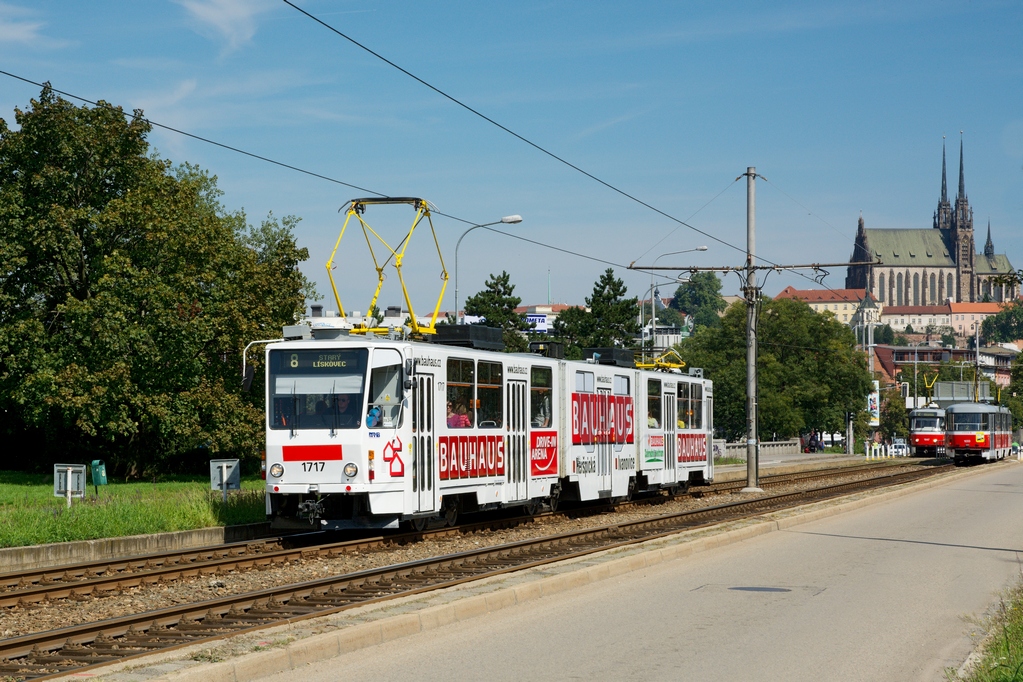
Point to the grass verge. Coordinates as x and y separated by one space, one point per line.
31 515
1001 657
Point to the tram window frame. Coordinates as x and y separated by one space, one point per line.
541 396
461 390
489 394
385 389
695 405
621 385
653 403
584 382
682 407
316 385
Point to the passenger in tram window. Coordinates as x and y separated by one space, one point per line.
457 417
347 417
322 417
652 422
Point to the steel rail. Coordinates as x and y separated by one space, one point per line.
84 647
96 578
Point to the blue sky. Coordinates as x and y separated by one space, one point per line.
840 105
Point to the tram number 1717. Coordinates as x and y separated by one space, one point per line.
312 466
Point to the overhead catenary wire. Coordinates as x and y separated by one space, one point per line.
281 164
511 132
237 150
535 145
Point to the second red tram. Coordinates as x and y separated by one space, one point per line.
977 431
927 432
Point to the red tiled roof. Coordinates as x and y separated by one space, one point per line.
823 295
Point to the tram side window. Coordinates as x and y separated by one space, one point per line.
584 382
695 420
653 403
385 390
540 396
682 406
461 407
490 394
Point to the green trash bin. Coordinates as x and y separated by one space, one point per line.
98 469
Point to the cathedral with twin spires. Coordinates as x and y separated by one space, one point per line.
918 267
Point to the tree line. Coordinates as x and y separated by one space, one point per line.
811 376
127 292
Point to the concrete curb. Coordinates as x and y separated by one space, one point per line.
321 639
60 553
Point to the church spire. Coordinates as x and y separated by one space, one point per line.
962 181
944 185
989 246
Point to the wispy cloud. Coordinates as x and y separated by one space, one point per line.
20 26
603 125
234 21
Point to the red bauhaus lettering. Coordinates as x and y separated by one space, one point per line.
469 456
602 418
692 447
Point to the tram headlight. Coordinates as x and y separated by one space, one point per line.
276 470
351 469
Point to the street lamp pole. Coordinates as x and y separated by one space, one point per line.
653 309
507 220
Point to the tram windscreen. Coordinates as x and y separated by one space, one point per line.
922 423
317 389
969 421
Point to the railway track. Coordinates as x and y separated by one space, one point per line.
97 578
81 581
88 646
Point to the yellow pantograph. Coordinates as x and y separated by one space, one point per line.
669 359
394 256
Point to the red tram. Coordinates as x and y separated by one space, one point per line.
927 432
977 431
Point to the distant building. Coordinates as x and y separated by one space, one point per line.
919 317
967 317
919 267
843 303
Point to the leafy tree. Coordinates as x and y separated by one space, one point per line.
610 320
810 373
885 335
572 327
1007 325
496 304
900 340
613 317
894 417
909 329
701 298
126 295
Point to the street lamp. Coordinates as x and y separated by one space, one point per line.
653 309
507 220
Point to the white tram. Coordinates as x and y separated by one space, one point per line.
365 432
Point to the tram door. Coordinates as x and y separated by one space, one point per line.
517 446
670 438
605 440
423 489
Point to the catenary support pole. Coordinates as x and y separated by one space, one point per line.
752 293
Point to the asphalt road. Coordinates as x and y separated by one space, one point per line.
882 593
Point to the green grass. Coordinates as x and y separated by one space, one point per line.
1002 654
721 461
31 515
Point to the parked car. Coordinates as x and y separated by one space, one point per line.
898 450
